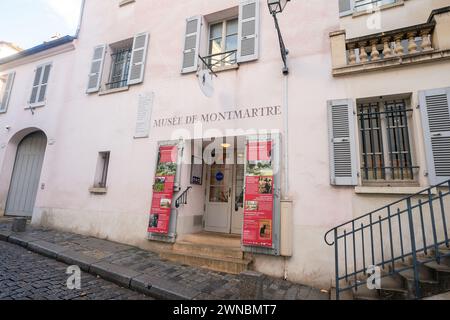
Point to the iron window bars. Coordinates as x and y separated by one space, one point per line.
389 122
120 68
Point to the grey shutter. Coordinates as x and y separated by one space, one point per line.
95 74
191 44
36 85
248 34
343 162
6 94
138 59
345 7
435 109
44 83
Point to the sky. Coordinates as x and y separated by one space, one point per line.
28 23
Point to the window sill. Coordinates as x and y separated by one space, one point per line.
390 190
35 105
100 191
394 62
357 14
111 91
226 68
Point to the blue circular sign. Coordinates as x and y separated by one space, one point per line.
219 176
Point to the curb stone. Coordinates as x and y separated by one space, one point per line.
45 248
21 240
114 273
72 257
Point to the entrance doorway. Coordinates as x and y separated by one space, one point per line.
26 175
224 208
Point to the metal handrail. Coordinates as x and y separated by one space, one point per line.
182 199
208 60
382 252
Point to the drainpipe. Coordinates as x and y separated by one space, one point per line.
83 3
286 135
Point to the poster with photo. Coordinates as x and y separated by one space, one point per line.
163 190
259 195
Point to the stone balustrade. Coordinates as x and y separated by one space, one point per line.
397 43
421 43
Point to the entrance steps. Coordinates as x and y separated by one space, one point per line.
211 251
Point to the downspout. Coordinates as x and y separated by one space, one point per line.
286 135
77 33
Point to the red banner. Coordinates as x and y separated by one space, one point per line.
163 190
259 195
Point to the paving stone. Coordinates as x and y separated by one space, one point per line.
4 235
33 269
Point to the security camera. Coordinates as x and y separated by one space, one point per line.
8 128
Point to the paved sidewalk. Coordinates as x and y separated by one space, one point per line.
145 272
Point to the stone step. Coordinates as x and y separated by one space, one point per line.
227 265
214 251
225 240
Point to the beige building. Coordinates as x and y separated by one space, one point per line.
361 120
8 49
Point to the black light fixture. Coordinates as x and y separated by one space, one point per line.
275 7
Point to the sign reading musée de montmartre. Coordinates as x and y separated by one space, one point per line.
243 114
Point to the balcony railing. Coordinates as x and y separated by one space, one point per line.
391 44
218 60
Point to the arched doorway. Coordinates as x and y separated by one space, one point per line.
26 175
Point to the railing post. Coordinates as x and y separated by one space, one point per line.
413 248
336 262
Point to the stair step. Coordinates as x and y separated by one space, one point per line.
225 240
215 251
438 267
227 265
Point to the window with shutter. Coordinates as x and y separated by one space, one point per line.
191 44
346 7
248 34
435 108
95 74
40 84
6 83
343 163
138 59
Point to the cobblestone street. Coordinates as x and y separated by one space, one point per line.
28 276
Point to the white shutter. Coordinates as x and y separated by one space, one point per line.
6 92
95 74
343 162
435 109
40 83
346 7
138 59
191 44
248 36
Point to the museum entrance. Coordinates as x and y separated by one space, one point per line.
224 196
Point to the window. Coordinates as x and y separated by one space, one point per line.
40 84
6 82
386 153
127 62
120 66
101 174
347 7
223 43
